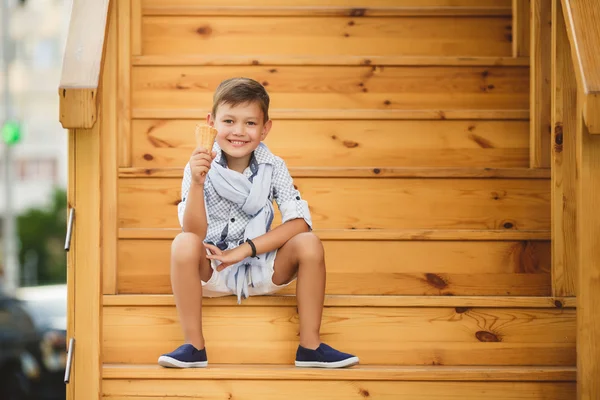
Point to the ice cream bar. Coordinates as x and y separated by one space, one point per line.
205 136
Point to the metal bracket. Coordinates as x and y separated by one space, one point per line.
69 360
69 229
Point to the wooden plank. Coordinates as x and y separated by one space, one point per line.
382 267
82 64
588 231
71 207
564 176
108 146
371 234
338 87
136 27
275 60
357 301
159 144
145 389
541 31
162 6
124 83
312 8
384 336
521 29
84 100
495 204
194 113
325 35
581 18
366 372
364 172
87 297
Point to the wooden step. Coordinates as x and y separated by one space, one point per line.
358 372
257 382
380 263
137 330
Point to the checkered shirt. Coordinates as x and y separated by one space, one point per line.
226 220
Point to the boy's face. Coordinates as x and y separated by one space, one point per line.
241 128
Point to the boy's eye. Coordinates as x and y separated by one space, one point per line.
228 121
251 123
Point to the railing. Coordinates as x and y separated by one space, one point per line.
576 171
582 18
82 64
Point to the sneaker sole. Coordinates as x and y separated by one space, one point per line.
169 362
318 364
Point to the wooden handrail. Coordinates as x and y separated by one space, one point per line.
582 18
82 63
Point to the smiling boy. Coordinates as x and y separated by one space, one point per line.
227 246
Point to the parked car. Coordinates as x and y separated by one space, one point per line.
47 305
18 367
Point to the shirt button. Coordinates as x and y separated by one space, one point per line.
232 219
297 197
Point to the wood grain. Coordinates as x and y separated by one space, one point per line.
147 389
274 60
390 336
360 372
338 114
373 234
564 174
325 35
366 143
339 7
541 32
108 146
124 83
521 10
588 231
519 204
278 300
382 267
337 87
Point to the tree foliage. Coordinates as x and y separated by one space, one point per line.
41 233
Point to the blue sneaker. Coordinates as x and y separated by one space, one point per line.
185 356
324 357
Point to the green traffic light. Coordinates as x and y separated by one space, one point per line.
11 132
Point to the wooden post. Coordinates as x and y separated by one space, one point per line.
588 234
564 109
540 107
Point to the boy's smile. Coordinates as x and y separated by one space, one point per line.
241 129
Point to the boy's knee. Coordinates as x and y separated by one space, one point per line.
309 245
186 247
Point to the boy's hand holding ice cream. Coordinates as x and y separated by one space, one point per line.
203 154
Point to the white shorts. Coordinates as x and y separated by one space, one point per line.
216 287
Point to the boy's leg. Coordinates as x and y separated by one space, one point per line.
189 266
303 254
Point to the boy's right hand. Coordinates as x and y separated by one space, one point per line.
200 164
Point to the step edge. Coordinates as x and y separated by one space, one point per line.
462 302
371 373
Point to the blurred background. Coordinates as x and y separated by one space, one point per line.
33 172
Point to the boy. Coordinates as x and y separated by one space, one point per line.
226 246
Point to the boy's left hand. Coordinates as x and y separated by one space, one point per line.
228 257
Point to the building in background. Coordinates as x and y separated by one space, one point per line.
38 30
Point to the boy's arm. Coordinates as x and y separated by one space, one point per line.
277 237
194 216
192 211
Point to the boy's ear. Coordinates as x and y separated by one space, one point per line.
266 129
209 120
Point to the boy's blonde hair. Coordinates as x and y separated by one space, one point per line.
235 91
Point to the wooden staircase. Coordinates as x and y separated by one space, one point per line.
406 126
